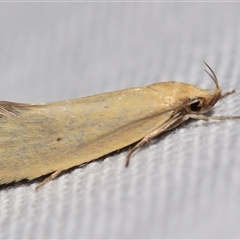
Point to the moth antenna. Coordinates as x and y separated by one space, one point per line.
217 90
212 75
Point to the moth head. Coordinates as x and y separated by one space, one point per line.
203 100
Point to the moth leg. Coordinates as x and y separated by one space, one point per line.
173 122
206 117
48 179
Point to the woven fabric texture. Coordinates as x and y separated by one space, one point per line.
186 184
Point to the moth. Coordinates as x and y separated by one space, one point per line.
40 139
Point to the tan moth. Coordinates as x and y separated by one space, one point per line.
39 139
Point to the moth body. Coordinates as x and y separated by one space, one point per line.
39 139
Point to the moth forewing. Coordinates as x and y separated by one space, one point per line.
54 137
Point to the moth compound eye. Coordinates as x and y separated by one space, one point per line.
196 106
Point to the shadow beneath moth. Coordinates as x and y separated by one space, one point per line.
40 139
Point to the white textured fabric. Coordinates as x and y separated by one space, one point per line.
187 183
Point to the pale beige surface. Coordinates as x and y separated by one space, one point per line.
186 184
